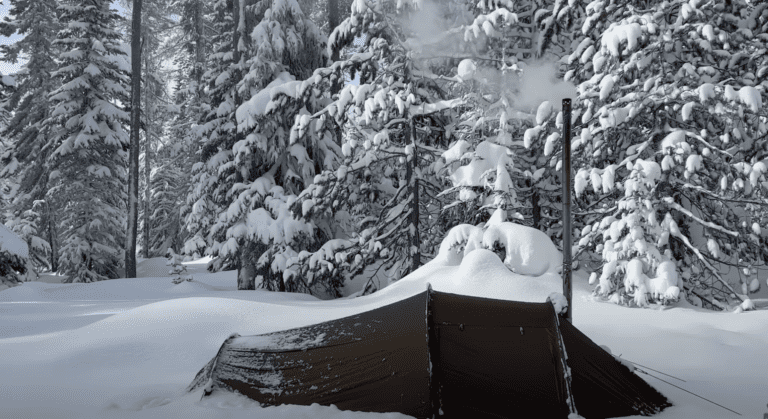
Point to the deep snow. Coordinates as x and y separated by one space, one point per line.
127 348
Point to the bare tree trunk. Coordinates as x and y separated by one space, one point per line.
147 172
133 159
52 238
199 47
535 207
246 275
332 10
413 179
236 33
246 271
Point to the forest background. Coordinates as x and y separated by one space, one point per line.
308 143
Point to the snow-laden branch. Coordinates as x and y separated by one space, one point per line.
671 202
719 197
676 232
430 108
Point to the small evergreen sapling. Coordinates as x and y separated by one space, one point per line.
178 270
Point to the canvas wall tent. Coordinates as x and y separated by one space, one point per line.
435 354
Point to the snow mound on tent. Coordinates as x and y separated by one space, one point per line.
480 274
11 243
528 251
466 265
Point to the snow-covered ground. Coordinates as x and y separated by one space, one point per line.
127 348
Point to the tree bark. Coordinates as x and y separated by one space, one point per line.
52 239
246 275
133 163
147 172
246 271
535 207
413 231
236 33
332 10
199 47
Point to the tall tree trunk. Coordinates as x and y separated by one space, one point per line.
133 164
236 33
413 179
535 207
332 10
199 47
147 172
246 272
52 239
246 275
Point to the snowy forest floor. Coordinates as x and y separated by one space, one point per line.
127 348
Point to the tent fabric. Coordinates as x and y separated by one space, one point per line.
602 386
496 357
435 355
377 361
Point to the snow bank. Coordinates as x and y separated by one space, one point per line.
136 362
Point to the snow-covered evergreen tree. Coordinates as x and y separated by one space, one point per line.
378 209
268 162
14 258
671 143
213 173
88 142
178 270
168 187
37 23
511 82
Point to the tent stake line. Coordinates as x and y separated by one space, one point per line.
649 368
689 392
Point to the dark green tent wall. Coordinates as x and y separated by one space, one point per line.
434 355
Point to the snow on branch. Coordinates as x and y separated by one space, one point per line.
671 202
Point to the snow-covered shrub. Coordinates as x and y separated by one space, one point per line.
668 146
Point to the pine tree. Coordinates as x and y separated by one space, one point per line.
177 153
510 81
672 142
89 142
284 45
37 23
213 174
378 213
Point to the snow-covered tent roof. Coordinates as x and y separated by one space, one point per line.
435 354
11 243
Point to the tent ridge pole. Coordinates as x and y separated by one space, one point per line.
432 357
567 263
566 371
